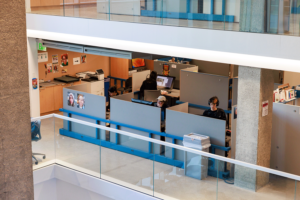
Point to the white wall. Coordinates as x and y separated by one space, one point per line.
33 72
45 190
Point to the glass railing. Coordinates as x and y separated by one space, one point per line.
154 167
273 16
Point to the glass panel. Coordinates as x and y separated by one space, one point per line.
184 175
247 183
232 15
43 148
45 7
82 154
126 161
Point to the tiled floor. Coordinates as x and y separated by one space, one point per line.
144 175
90 11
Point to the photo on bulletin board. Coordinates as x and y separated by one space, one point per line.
49 68
80 101
55 58
76 61
55 68
83 59
71 99
43 57
64 71
64 60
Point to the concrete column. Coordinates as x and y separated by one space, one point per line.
253 16
16 181
253 137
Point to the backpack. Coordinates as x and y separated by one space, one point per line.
35 129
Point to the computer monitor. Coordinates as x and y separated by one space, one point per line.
165 82
151 95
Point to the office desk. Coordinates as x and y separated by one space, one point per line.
174 93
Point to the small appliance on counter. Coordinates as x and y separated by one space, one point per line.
84 74
96 82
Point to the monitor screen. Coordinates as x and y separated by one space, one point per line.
138 62
165 82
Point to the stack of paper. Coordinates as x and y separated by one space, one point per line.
196 141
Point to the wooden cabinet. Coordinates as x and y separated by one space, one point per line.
46 99
58 97
46 2
34 3
51 98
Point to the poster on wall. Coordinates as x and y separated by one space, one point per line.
80 101
83 59
64 60
34 83
49 68
55 58
71 99
43 57
64 71
265 107
76 61
55 68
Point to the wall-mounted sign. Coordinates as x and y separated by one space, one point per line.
41 48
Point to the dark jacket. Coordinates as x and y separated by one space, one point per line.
218 114
108 106
148 85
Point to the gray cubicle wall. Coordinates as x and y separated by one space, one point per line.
124 111
181 123
198 88
174 70
285 146
94 106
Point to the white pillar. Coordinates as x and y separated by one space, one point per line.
33 72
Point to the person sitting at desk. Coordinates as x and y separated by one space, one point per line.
112 91
162 103
150 83
214 112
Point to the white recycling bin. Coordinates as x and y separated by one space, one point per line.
196 166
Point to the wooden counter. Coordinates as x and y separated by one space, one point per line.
51 98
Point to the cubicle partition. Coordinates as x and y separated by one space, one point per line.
123 111
285 146
138 79
175 69
235 82
180 122
94 106
197 88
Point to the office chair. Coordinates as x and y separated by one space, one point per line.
128 86
36 136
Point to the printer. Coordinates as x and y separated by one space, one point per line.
95 81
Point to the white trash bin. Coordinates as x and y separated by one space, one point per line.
196 166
